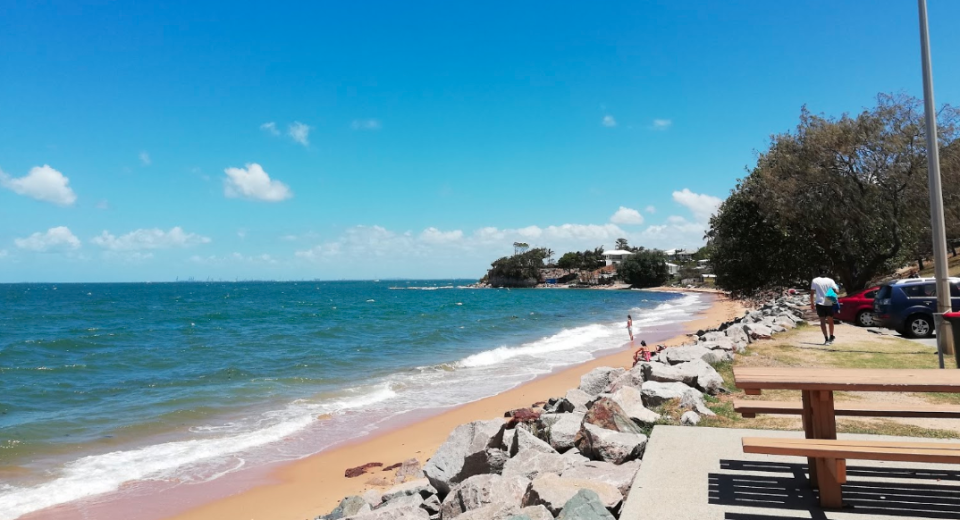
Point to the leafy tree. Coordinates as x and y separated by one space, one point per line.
518 270
645 268
587 260
622 244
848 194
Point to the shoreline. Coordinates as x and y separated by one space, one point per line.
313 485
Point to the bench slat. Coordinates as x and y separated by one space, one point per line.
852 409
863 450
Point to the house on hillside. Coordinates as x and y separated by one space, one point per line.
673 269
616 256
680 255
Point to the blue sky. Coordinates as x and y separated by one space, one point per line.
416 139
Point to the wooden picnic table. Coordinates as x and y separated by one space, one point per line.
819 419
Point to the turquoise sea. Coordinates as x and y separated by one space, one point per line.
104 385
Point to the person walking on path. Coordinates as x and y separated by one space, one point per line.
823 296
630 327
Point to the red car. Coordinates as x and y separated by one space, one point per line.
858 308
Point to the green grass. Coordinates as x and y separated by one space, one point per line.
789 349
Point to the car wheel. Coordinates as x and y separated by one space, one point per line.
866 319
919 327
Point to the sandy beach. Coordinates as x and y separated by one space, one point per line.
312 486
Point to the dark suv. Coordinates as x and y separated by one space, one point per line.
907 306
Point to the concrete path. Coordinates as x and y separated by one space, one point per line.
694 473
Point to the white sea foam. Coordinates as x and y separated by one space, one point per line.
97 474
566 340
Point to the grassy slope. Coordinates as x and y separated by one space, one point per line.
860 350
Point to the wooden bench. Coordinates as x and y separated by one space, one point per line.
836 452
750 409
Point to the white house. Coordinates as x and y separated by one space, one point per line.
673 269
682 255
616 256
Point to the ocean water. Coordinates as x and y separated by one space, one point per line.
107 386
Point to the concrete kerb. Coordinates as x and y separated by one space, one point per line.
702 474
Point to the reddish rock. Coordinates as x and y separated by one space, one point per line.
522 415
607 414
392 466
360 470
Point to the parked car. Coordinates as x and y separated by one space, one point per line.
858 308
907 306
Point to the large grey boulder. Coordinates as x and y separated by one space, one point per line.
471 449
402 508
575 401
725 344
553 492
656 394
631 378
573 458
668 373
758 331
480 490
715 335
349 506
630 400
419 487
620 476
687 353
530 464
705 377
491 512
609 445
537 512
561 428
737 334
585 505
524 440
596 381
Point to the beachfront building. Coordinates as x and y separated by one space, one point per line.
616 256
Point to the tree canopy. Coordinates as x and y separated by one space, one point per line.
517 270
644 268
847 194
587 260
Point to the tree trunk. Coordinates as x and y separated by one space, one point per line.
920 263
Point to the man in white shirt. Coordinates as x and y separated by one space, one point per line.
824 307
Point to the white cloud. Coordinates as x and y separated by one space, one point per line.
651 210
609 121
254 183
366 124
270 128
433 235
3 253
141 239
55 238
627 216
661 124
242 233
702 206
299 132
145 158
42 183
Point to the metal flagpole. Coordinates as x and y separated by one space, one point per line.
936 195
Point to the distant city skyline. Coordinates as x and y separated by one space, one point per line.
379 140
